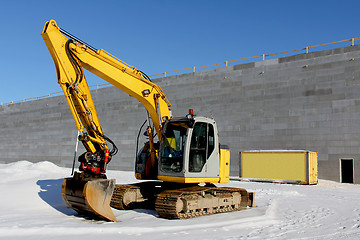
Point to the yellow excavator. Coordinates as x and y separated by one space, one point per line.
181 160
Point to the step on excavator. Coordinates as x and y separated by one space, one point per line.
181 161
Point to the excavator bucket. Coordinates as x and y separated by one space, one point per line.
91 198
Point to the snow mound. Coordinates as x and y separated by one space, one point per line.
17 165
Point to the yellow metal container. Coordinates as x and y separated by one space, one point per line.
287 166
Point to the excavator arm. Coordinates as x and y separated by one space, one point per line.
70 56
88 191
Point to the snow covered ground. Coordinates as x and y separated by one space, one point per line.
31 208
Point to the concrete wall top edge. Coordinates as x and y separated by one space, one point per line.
160 80
316 54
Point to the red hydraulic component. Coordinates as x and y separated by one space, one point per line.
106 159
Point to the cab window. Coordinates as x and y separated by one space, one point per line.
172 149
201 146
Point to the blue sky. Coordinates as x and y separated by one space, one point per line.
162 35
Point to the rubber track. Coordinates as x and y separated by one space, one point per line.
166 201
117 198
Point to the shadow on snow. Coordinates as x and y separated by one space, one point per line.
50 192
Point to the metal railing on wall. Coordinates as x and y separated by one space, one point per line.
193 69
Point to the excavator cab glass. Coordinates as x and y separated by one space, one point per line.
201 146
172 150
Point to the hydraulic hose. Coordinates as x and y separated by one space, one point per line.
75 62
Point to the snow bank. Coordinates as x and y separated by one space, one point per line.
31 208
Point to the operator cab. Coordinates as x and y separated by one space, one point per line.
189 150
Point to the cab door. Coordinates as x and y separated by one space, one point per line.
203 151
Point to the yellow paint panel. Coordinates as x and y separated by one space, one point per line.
170 142
313 168
224 165
274 165
188 180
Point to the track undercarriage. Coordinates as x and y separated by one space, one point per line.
180 201
93 198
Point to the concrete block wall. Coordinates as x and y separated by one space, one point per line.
306 101
44 130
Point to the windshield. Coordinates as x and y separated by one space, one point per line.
172 149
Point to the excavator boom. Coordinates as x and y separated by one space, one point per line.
123 76
89 191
